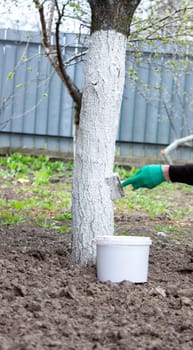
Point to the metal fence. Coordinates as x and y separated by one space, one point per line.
36 111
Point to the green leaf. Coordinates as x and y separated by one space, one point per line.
19 86
11 75
23 58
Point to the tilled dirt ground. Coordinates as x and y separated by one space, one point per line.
48 304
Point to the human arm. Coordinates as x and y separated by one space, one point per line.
151 176
181 173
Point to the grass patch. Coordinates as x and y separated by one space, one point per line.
156 202
10 218
37 190
28 194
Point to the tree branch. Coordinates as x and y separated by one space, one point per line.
55 56
159 21
172 146
50 20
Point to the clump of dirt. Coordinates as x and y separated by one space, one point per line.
46 303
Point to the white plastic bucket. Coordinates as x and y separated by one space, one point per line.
122 258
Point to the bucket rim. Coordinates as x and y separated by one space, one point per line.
123 240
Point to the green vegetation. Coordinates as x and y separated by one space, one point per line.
157 202
33 191
37 191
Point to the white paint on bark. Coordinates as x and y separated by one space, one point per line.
93 212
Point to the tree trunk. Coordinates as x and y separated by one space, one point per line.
99 107
93 212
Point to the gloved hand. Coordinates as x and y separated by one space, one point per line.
149 176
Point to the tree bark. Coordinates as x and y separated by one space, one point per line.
93 212
92 207
113 14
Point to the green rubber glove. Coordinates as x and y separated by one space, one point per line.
149 176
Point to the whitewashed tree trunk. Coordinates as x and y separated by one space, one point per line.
93 211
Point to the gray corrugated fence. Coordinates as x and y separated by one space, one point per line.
36 111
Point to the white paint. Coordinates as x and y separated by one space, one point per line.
93 212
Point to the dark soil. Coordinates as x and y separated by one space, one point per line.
48 304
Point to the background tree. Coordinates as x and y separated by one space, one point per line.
167 30
168 19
